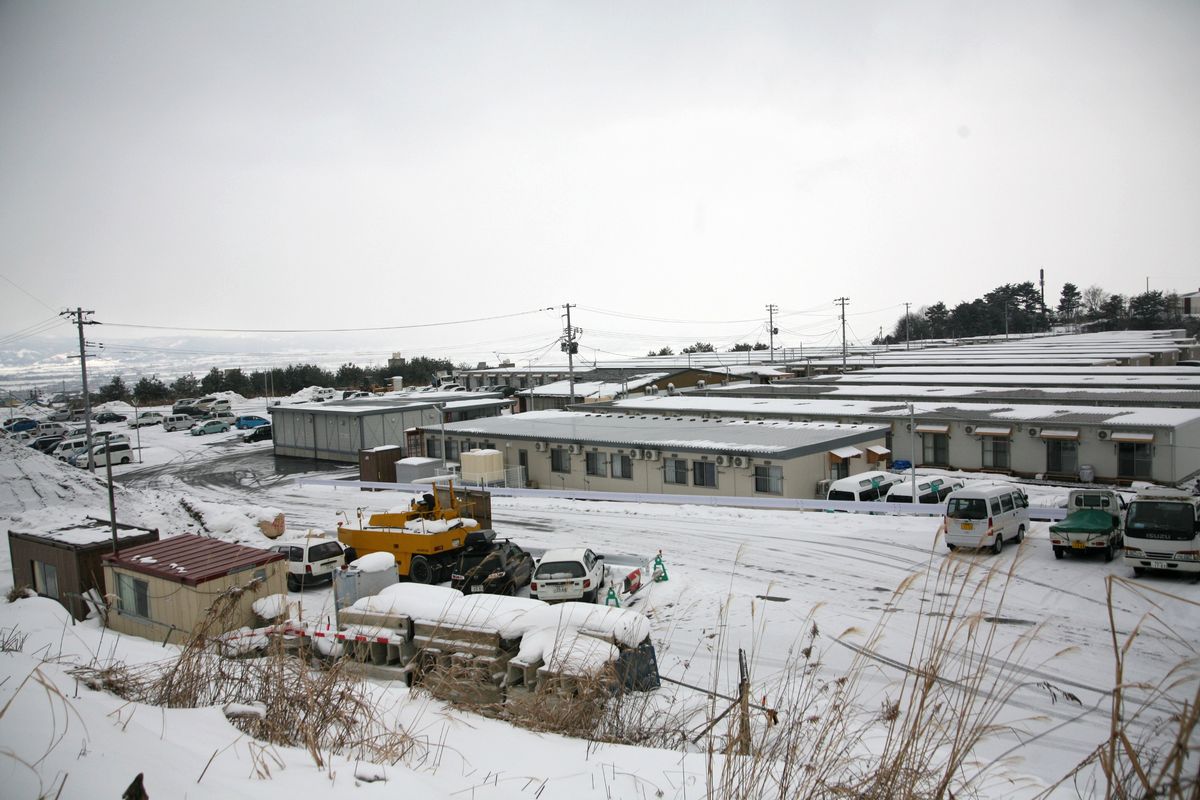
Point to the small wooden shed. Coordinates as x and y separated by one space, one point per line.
165 589
64 564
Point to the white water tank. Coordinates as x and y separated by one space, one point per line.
1087 473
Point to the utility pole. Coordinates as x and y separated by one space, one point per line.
1042 284
771 309
78 315
842 302
570 347
906 336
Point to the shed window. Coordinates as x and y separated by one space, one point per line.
560 460
675 471
1134 460
596 464
935 449
704 473
995 452
133 595
768 480
45 579
622 466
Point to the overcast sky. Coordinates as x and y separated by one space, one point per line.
333 165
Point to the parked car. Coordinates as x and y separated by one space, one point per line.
311 560
61 415
24 436
177 422
1095 523
986 515
568 574
503 570
250 421
146 418
45 444
68 448
223 414
103 454
52 429
109 416
19 424
182 403
210 426
260 434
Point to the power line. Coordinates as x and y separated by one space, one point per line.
326 330
28 294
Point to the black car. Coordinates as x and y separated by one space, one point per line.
108 416
260 434
45 444
502 570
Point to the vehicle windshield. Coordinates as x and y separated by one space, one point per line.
560 569
838 494
966 508
1161 520
324 550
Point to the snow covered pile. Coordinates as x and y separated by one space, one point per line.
31 480
571 638
375 562
273 606
233 523
439 525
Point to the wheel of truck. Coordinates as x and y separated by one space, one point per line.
1020 534
951 547
293 583
998 545
420 570
1058 552
1108 553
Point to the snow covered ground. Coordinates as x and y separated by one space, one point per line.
752 579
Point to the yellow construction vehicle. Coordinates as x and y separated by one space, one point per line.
427 538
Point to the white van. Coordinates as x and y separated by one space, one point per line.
986 515
102 454
177 422
864 487
931 489
67 449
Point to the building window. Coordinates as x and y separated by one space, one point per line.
433 447
1062 457
675 471
45 579
935 448
133 595
1134 460
995 452
704 473
840 469
451 450
768 480
622 467
596 464
560 460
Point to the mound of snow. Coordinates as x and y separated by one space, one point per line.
621 625
411 599
375 562
30 480
272 606
438 525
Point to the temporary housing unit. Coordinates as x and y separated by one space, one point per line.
1061 441
674 454
64 564
340 430
165 589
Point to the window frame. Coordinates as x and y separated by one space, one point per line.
704 474
138 591
560 460
935 449
621 467
675 471
996 452
595 464
773 477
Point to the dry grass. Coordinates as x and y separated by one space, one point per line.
323 710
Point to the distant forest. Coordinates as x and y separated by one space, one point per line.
1018 308
278 382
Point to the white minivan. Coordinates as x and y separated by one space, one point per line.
865 487
177 422
986 515
931 489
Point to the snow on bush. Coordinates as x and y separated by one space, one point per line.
375 562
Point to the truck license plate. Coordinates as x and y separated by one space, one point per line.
1078 545
1160 564
966 526
477 588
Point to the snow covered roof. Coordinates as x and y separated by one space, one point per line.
590 389
1109 416
87 532
453 401
767 438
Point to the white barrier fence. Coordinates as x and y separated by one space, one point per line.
1039 514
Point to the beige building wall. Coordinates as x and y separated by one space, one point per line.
801 474
176 608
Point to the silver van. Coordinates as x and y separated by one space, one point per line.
102 454
177 422
986 515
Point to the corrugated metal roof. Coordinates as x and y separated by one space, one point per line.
719 435
191 559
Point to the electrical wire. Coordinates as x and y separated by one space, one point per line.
645 318
326 330
28 294
33 330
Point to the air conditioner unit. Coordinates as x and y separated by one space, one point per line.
1034 432
741 461
823 488
969 428
539 447
650 455
722 461
575 449
1103 435
635 454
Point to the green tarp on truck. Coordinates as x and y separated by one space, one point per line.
1087 520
